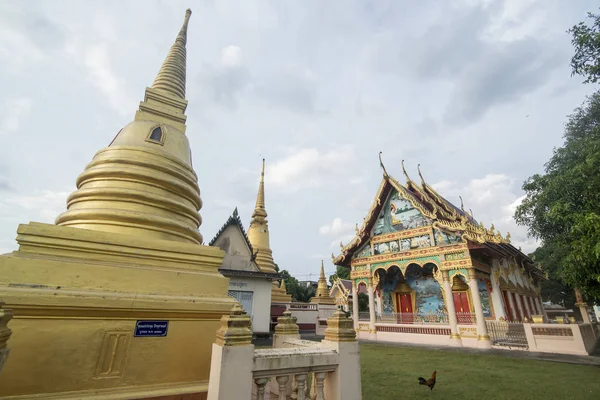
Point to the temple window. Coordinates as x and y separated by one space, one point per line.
156 136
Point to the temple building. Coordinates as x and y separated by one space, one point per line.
341 292
258 234
248 284
432 272
119 298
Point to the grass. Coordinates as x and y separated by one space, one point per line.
391 373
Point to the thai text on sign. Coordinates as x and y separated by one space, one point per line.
151 328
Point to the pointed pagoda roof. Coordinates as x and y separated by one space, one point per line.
322 295
443 214
143 183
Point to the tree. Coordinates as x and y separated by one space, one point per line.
586 40
562 206
340 272
553 288
304 293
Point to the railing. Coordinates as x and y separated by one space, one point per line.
413 318
363 316
274 378
465 318
507 334
304 306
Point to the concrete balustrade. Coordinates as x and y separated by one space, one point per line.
331 367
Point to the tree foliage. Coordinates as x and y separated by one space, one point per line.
340 272
562 206
292 287
586 40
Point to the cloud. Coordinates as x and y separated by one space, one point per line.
96 59
309 167
13 112
337 227
493 200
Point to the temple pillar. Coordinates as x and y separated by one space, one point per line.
370 290
519 305
541 307
527 308
483 339
355 304
454 334
497 299
511 302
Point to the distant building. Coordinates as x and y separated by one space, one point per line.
308 283
248 284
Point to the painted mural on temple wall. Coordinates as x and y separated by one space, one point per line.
397 215
484 294
364 252
395 246
429 299
443 238
388 282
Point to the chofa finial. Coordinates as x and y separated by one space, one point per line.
404 172
381 164
420 175
462 206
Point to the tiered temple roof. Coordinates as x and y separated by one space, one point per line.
443 214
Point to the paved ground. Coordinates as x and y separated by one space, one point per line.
571 359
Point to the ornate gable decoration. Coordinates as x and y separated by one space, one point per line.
423 203
235 220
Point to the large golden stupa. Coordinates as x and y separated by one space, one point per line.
119 299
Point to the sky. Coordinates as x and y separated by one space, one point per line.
476 92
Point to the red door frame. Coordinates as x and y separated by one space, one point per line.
462 305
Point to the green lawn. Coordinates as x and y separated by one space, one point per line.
392 372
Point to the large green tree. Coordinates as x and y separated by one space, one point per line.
586 40
562 206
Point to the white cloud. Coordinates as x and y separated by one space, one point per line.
493 200
336 227
308 167
96 58
231 56
13 112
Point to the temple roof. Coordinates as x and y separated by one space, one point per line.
444 215
234 219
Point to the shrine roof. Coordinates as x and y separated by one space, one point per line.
233 220
442 213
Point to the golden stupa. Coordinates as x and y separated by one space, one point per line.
119 299
322 295
258 234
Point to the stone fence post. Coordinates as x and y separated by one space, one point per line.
232 358
344 383
285 329
5 332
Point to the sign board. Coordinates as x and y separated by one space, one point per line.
151 328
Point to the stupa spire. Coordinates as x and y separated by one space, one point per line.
143 183
322 295
259 210
171 77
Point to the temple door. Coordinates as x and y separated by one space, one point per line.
406 308
509 311
463 310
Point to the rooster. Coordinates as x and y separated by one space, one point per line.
430 382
